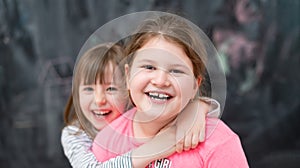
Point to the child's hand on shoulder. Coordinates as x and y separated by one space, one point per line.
191 125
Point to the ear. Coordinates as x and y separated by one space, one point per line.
198 81
126 66
197 84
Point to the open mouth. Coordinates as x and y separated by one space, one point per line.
101 113
159 96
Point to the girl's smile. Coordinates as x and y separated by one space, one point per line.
101 112
159 96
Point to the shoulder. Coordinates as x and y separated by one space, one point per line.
216 128
218 134
72 133
222 145
70 129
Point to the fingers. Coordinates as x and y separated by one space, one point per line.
191 141
179 146
195 140
201 136
188 142
179 141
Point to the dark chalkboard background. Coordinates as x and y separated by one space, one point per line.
257 39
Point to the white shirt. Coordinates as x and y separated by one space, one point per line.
77 144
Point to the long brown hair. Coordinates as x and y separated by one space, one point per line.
69 112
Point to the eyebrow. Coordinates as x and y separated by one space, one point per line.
171 65
103 83
146 60
180 65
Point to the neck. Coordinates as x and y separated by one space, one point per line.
147 130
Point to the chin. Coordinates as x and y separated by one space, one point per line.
100 127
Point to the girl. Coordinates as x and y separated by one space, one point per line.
163 74
99 99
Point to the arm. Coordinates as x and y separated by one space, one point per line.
191 122
77 144
108 145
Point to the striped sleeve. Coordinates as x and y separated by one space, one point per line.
77 144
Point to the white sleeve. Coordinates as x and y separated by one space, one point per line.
215 110
77 144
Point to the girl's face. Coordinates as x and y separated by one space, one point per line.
102 103
161 80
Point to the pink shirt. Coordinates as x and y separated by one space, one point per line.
222 148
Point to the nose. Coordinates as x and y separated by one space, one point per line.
161 78
100 98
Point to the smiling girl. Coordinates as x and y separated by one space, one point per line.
163 75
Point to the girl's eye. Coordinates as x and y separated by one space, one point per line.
176 71
88 89
110 89
148 67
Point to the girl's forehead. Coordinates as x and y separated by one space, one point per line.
109 75
159 42
159 49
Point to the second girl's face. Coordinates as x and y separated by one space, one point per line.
101 103
161 80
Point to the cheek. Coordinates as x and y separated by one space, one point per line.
185 87
85 101
117 102
138 80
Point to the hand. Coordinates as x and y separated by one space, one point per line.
191 125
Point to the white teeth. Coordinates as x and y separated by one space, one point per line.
158 95
153 94
100 112
163 96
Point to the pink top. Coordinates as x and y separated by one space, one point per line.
222 147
